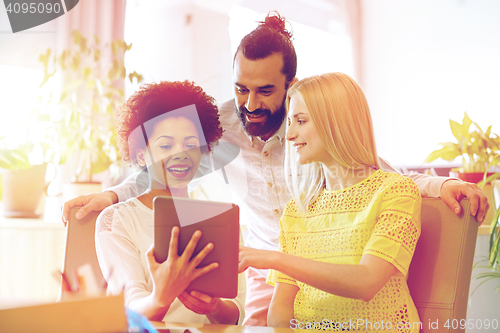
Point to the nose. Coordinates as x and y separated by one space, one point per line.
252 102
291 134
180 153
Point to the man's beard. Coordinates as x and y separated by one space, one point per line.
272 123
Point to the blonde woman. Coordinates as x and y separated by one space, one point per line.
348 235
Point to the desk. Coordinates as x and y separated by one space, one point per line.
215 328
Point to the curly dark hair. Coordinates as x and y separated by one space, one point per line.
157 99
268 38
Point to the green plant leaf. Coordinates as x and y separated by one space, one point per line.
456 129
466 122
86 72
76 36
135 75
44 58
97 55
447 153
46 77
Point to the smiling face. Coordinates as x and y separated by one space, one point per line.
301 131
260 89
173 154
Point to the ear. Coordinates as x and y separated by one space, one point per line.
141 158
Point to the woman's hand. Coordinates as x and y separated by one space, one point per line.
198 302
172 277
217 311
260 259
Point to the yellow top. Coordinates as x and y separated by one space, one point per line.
379 216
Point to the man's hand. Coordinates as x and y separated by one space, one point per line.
452 191
90 202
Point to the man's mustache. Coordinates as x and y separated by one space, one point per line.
257 112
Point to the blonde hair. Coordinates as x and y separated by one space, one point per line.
341 117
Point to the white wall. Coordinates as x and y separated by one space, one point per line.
426 62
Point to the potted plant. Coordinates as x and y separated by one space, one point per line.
84 108
22 179
493 268
480 151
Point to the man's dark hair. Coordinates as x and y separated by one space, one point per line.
268 38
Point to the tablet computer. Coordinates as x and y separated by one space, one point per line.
219 224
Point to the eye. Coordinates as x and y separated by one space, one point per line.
266 92
300 121
192 146
166 146
241 90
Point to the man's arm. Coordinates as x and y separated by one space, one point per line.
450 190
98 201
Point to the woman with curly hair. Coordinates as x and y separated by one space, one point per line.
163 128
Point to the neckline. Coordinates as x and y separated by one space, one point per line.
355 185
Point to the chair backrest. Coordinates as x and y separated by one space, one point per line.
441 267
80 248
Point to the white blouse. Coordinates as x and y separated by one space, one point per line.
124 233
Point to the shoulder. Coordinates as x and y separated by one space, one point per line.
227 106
112 215
399 193
396 184
227 114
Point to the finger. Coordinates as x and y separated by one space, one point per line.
150 256
242 267
188 251
452 202
483 209
202 254
201 296
191 303
85 210
66 208
474 203
174 243
63 217
204 270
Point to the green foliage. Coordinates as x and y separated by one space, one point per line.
479 150
15 159
86 108
494 244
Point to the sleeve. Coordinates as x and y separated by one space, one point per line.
128 188
275 276
119 258
429 186
397 227
239 301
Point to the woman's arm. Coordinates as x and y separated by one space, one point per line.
361 281
281 308
117 252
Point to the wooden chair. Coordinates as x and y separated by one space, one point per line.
80 248
441 268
